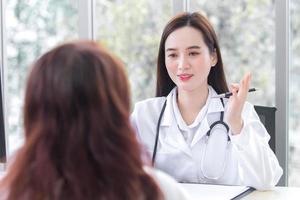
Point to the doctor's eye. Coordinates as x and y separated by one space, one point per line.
193 53
172 55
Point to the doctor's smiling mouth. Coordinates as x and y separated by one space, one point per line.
185 77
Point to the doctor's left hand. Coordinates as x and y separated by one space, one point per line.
236 103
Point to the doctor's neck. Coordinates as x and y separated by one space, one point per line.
191 102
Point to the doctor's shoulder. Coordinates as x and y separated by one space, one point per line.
169 187
148 109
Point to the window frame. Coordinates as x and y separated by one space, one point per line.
3 138
282 63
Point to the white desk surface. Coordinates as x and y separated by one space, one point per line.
279 193
212 192
216 192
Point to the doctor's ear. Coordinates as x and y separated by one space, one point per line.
214 58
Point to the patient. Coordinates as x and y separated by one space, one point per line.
79 143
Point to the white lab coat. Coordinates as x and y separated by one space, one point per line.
250 160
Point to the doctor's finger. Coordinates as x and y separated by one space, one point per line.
234 86
246 81
244 85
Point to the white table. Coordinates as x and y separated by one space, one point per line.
213 192
220 192
279 193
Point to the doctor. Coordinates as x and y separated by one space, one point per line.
188 133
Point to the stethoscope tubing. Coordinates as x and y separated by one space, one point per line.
157 131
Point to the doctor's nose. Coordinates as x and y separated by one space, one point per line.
183 63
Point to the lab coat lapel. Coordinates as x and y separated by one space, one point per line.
214 108
168 118
170 133
202 130
175 139
215 105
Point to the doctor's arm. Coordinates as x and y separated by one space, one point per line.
236 103
133 121
257 163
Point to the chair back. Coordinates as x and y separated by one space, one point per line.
267 117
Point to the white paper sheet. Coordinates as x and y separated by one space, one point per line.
213 192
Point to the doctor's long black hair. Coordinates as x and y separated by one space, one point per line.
216 77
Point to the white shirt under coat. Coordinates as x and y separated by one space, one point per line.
180 148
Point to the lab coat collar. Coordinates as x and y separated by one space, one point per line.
168 116
175 139
215 105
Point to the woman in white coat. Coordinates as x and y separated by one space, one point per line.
191 135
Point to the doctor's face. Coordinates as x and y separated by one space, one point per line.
188 59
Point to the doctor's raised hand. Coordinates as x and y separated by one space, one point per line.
236 104
191 135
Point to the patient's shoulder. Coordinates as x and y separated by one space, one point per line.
170 188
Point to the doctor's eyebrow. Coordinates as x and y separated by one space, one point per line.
189 48
171 49
194 47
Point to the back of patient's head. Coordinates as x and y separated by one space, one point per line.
79 143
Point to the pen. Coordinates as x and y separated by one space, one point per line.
228 94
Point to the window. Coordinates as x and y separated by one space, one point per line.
246 32
32 27
132 30
294 97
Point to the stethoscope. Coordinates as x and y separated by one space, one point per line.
213 126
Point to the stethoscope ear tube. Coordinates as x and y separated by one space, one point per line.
219 122
157 132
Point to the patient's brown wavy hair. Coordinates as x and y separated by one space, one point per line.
79 143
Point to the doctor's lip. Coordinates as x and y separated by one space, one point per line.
184 77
